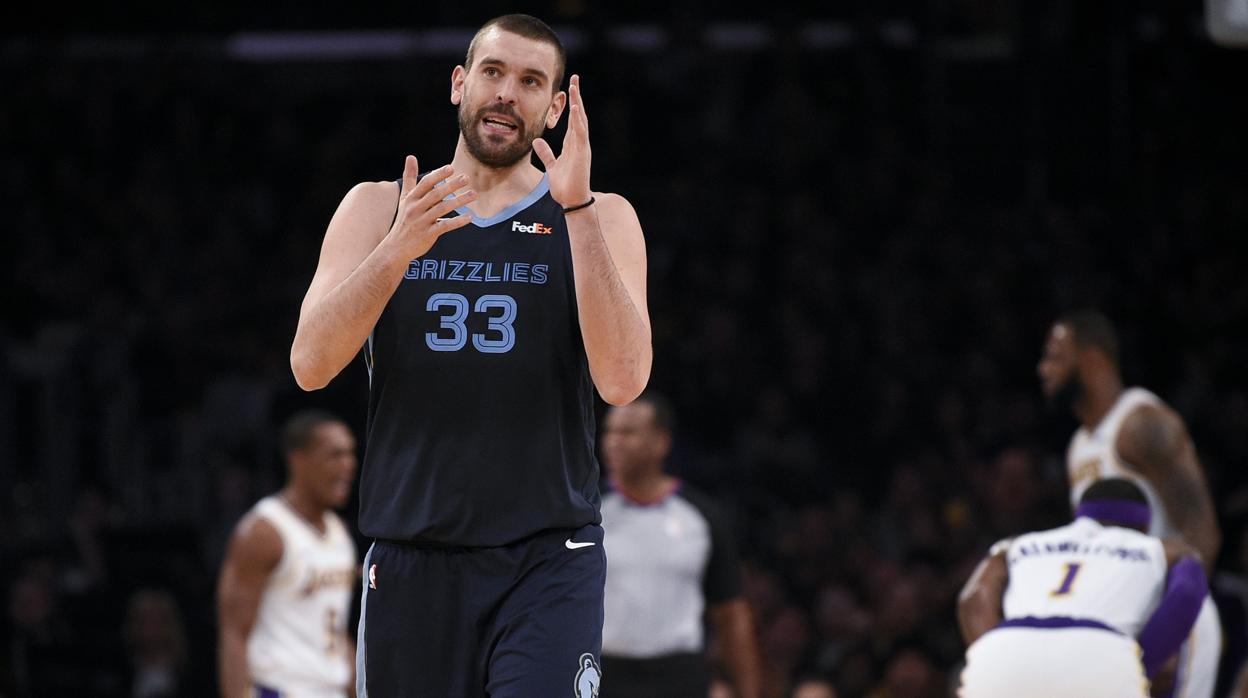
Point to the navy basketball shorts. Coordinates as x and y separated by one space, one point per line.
517 621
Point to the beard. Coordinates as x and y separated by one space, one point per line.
1066 397
496 151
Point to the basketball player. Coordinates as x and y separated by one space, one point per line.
286 584
491 299
671 562
1059 612
1131 433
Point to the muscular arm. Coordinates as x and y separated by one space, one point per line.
609 263
1154 440
254 552
734 625
979 604
363 259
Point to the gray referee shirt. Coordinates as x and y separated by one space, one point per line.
666 562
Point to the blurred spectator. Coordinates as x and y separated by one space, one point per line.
155 643
39 652
910 674
786 644
813 688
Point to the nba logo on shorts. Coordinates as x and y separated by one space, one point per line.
372 576
588 677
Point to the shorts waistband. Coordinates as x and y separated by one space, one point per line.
1055 623
593 529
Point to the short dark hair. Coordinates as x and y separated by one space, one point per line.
1092 329
1115 489
529 27
297 433
664 414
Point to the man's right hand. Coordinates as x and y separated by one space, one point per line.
366 252
423 205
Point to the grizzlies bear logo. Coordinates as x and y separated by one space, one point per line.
588 677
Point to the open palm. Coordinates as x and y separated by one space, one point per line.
569 173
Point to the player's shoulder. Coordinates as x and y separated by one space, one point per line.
256 539
365 213
1143 405
1001 547
369 201
1080 527
1021 540
1150 427
1152 414
611 200
258 521
615 207
375 193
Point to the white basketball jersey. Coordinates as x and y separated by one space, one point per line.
1093 455
297 645
1085 570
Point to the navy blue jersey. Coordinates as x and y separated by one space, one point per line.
481 423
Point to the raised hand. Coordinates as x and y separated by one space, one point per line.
420 221
569 173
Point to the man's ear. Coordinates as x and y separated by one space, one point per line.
556 109
457 84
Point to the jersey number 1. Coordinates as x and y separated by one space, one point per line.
1068 581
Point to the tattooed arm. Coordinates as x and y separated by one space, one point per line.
1154 440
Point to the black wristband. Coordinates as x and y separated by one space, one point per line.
578 207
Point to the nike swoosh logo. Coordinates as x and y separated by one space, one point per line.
574 546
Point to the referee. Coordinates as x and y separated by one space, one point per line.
670 563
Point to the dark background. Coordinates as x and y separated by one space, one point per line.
860 223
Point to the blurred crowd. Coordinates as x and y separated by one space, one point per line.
854 252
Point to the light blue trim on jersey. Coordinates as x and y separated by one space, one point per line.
361 649
531 198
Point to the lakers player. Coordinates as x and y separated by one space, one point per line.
286 584
1131 433
1060 612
